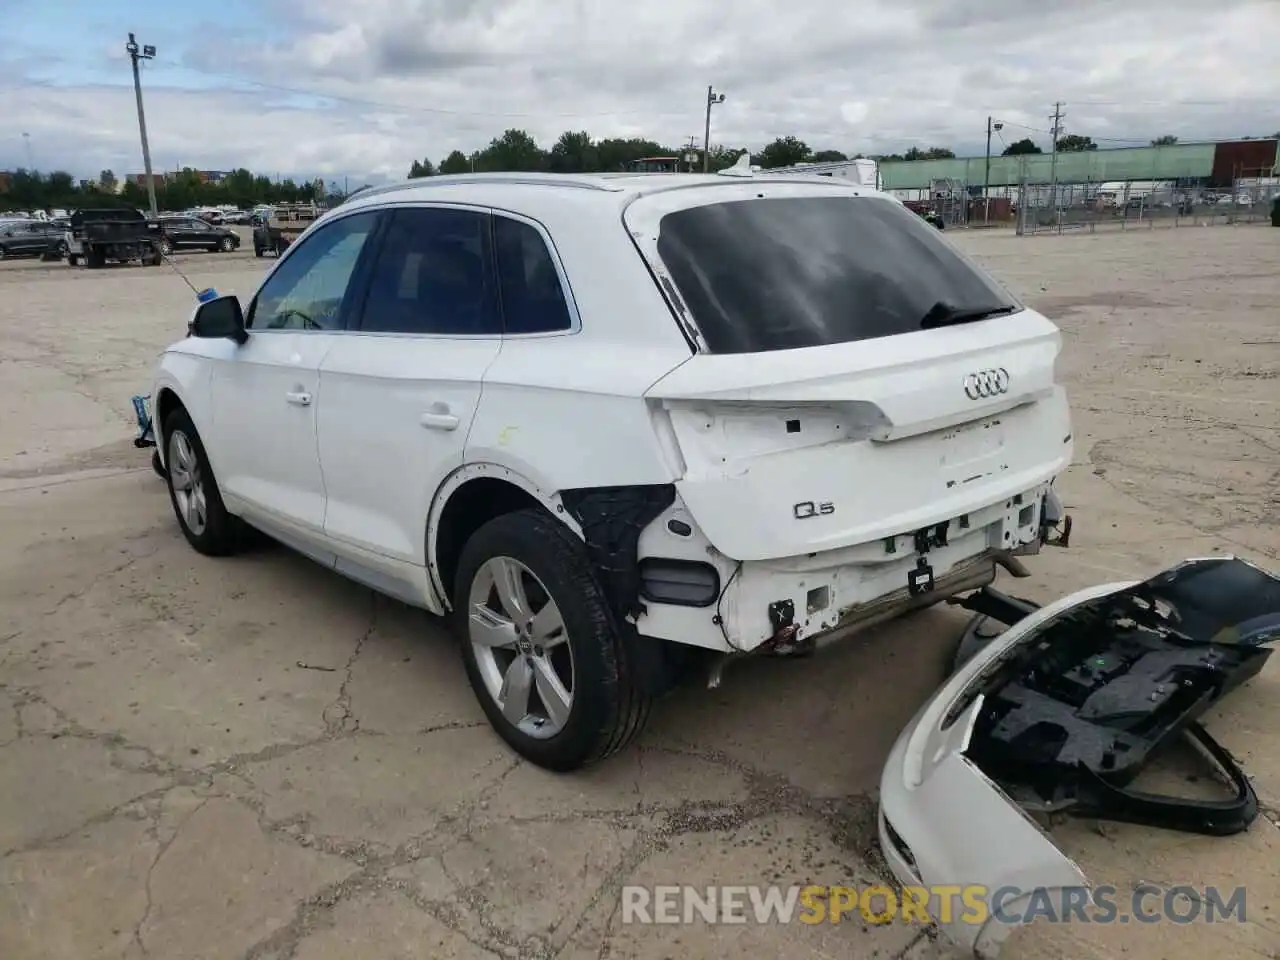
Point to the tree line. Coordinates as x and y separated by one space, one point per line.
515 150
576 151
33 190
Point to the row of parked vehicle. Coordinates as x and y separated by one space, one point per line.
113 234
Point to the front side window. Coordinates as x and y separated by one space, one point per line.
533 300
789 272
433 275
307 290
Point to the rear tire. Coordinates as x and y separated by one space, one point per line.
193 490
607 706
165 248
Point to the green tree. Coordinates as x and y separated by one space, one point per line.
618 153
107 181
1020 147
422 168
134 194
456 162
930 153
515 150
574 152
242 188
783 152
1075 143
723 157
829 156
1168 140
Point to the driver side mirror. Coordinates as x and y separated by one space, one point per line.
219 319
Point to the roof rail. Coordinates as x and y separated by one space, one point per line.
576 181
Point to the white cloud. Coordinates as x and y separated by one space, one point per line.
419 78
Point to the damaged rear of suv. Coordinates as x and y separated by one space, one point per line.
868 424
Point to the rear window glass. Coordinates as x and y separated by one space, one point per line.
788 272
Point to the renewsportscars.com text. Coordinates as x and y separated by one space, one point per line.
1145 903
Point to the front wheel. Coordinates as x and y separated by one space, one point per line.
227 244
165 248
553 673
193 490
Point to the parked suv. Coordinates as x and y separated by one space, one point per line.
609 423
193 233
31 238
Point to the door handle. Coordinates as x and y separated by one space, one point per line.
299 398
439 419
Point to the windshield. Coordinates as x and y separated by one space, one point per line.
789 272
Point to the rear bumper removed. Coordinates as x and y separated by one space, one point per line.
695 595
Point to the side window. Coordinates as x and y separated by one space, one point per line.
532 297
306 291
432 275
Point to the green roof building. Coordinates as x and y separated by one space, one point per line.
1179 161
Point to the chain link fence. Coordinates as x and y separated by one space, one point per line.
1034 207
1143 205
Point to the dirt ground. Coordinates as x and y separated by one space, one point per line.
253 758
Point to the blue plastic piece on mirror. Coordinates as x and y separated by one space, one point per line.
204 296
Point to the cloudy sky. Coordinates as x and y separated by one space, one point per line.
360 88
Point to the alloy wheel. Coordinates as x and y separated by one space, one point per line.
521 647
188 484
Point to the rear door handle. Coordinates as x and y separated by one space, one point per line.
299 398
439 418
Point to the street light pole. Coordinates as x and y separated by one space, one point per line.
986 182
712 99
1053 163
147 52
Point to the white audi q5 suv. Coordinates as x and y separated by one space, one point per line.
609 423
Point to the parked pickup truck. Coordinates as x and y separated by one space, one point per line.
281 227
96 236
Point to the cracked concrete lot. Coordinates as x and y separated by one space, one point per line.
252 758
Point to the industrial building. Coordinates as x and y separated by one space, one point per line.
1208 165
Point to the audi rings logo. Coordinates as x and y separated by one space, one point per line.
986 383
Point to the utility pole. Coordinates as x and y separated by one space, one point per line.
712 99
690 154
147 52
986 181
1057 118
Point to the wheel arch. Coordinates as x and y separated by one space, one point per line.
470 497
178 386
